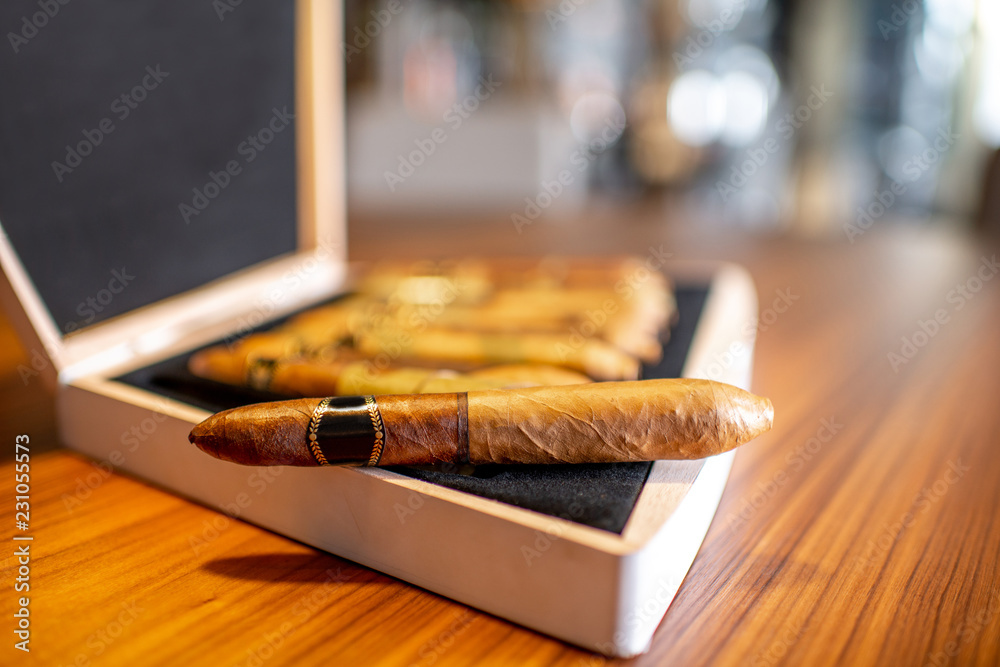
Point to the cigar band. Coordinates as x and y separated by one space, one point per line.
376 418
346 430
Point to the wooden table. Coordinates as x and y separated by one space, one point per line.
862 530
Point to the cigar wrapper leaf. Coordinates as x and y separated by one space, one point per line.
250 365
592 423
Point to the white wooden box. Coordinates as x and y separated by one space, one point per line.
594 588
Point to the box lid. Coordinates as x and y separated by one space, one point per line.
146 151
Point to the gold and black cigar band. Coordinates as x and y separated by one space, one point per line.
376 418
346 430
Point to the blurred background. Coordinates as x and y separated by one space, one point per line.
820 118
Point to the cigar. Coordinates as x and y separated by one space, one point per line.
591 423
594 357
633 326
297 376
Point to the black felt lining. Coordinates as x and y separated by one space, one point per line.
110 235
597 495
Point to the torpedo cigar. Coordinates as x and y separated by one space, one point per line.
257 362
590 423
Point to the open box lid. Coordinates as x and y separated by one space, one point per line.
163 168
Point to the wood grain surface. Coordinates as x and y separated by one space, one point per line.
861 531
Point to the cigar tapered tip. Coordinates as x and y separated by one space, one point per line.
767 415
264 434
203 437
758 416
743 415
